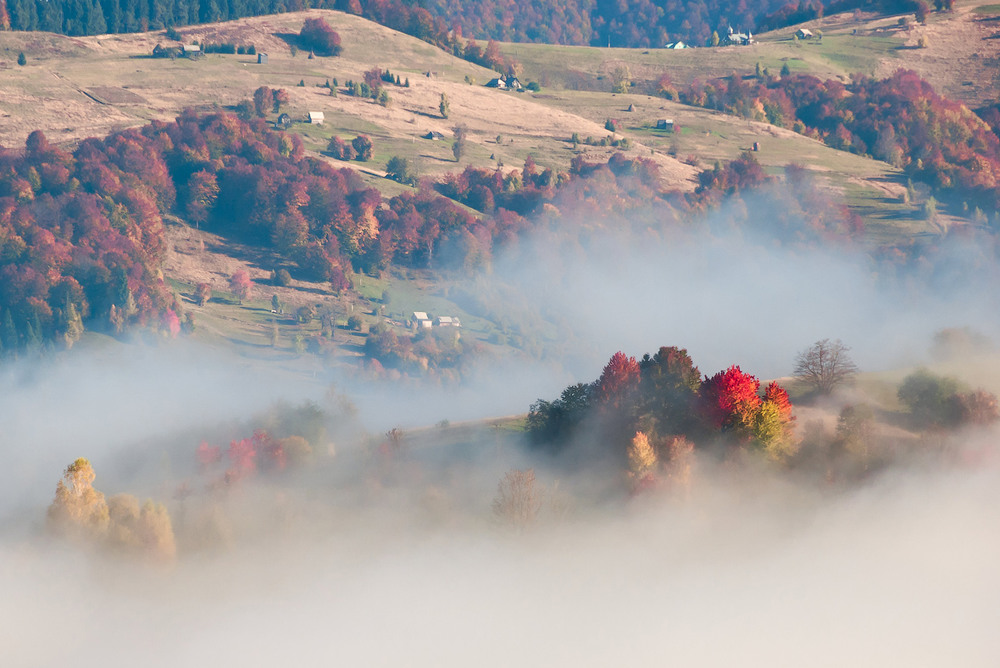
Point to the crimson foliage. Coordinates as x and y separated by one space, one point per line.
81 234
318 36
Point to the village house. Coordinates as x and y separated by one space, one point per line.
504 82
316 117
738 38
804 33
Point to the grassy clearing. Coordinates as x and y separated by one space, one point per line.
872 187
838 54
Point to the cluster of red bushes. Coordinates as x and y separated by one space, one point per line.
261 452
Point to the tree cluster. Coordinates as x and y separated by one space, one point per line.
228 48
640 407
81 513
360 148
81 240
435 351
900 120
81 234
635 23
941 402
261 452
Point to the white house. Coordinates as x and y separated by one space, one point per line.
421 319
316 117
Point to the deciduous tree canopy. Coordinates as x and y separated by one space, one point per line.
825 365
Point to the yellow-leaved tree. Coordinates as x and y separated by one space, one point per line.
641 461
144 530
78 509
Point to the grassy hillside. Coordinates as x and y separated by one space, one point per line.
961 41
72 88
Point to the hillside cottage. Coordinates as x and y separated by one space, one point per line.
316 117
160 51
677 45
504 82
738 38
420 320
804 33
262 59
665 124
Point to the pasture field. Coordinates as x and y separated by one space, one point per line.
77 87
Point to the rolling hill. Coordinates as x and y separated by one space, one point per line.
75 87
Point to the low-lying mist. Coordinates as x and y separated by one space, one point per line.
376 554
748 570
739 296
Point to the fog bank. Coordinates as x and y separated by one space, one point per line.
901 572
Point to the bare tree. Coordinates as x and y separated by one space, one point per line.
825 365
518 501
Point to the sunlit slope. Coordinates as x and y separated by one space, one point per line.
73 88
958 56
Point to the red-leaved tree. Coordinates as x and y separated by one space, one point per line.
241 285
730 401
618 380
319 37
779 397
208 454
